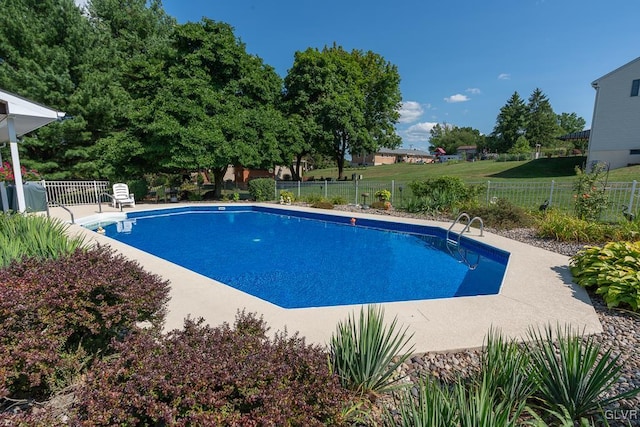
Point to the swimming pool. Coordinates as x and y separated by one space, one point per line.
306 259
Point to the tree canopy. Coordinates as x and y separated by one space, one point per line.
450 137
347 102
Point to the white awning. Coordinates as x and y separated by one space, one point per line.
19 116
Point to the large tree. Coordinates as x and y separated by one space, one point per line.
541 124
451 137
216 106
569 123
510 124
347 101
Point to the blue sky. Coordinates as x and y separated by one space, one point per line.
459 60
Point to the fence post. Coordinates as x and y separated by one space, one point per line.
275 190
633 192
95 191
553 183
325 189
393 187
356 183
488 189
299 189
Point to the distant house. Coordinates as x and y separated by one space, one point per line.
385 156
467 152
615 128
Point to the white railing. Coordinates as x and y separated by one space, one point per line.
71 193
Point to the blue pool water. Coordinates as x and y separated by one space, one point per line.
304 259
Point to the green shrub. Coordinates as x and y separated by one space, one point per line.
434 406
322 205
383 195
34 236
614 270
55 314
365 353
572 373
287 197
204 376
590 192
568 228
139 188
502 215
313 198
339 200
262 189
443 194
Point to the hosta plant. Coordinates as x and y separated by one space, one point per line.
614 270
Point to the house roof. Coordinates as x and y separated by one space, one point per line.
27 115
594 84
467 147
405 152
573 136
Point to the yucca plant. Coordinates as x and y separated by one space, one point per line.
505 368
479 406
34 236
365 353
434 406
573 373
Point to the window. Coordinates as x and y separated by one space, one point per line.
635 151
635 87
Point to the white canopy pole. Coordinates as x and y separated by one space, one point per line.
15 160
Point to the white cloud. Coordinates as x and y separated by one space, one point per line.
419 132
473 91
410 112
457 98
504 76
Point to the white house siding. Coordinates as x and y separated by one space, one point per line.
615 127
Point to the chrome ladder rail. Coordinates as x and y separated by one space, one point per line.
463 257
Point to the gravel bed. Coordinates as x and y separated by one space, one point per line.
621 333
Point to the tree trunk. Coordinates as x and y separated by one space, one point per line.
218 180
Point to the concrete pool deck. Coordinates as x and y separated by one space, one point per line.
537 291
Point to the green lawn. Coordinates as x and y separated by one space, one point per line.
559 169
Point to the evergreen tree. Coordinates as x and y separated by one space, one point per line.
541 124
510 123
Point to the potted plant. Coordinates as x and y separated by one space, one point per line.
383 195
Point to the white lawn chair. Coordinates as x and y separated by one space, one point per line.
121 196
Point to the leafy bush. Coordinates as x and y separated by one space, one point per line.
322 205
614 270
568 228
590 193
313 198
366 353
213 376
502 215
287 197
34 236
443 194
339 200
383 195
262 189
572 374
56 314
139 188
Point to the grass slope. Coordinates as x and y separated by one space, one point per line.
559 169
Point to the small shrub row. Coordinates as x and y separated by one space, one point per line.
55 315
213 376
568 228
558 378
